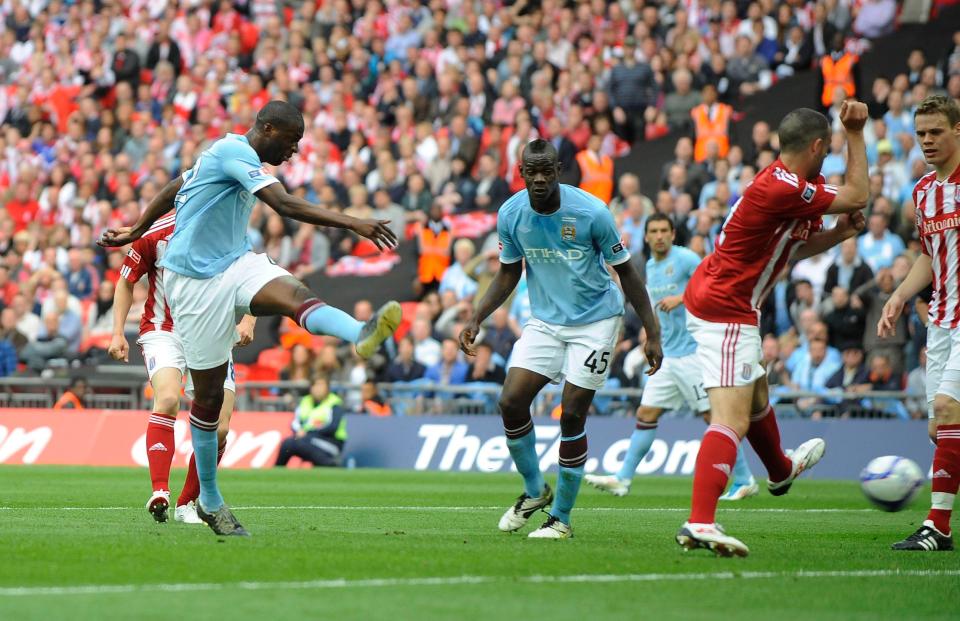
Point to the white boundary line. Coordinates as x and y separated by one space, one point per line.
343 583
451 509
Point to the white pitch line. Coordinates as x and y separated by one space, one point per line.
343 583
450 509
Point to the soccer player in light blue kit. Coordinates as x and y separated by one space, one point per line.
678 382
567 238
212 277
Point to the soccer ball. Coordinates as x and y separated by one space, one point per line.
891 482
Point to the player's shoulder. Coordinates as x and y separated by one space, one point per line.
685 254
160 230
231 145
925 181
513 205
582 201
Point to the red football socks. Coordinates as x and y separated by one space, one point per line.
718 452
160 445
764 437
946 476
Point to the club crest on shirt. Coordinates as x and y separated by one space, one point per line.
568 232
669 270
746 372
808 192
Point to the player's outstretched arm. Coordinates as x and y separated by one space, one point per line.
500 289
853 194
161 204
919 277
122 301
290 206
636 293
848 225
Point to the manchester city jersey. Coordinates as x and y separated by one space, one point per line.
664 279
565 254
213 208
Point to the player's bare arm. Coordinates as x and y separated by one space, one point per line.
290 206
500 289
161 204
919 277
848 225
122 301
853 194
636 292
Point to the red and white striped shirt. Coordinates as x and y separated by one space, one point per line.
775 216
938 221
141 260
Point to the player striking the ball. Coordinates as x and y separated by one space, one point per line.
164 359
566 237
212 276
777 219
678 382
937 199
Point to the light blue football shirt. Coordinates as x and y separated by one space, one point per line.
565 254
670 277
213 208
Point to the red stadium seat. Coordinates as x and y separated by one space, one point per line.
274 358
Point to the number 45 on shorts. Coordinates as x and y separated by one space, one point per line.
597 366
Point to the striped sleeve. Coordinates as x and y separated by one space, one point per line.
798 198
139 260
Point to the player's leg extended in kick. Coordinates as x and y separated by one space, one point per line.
186 510
288 296
204 423
574 405
519 390
160 438
640 442
935 533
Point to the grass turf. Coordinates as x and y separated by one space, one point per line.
370 544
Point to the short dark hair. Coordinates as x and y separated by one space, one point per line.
539 147
657 217
280 114
940 104
801 127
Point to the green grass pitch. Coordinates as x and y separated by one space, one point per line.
370 544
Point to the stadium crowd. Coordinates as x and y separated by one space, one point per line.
416 112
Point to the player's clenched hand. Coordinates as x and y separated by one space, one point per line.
467 336
670 302
119 349
887 326
376 231
245 331
853 115
654 354
851 223
114 238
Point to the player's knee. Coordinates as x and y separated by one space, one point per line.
572 424
946 410
647 415
511 407
210 399
167 403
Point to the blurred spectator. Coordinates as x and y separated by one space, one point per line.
449 370
917 388
845 323
426 349
747 69
300 367
681 101
79 278
373 403
875 18
596 170
75 396
456 277
839 70
631 86
49 345
871 297
711 122
878 246
851 377
404 368
434 244
482 269
320 429
500 334
811 374
776 372
848 270
483 368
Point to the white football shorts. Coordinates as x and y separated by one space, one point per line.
729 353
206 310
580 354
163 350
943 364
677 383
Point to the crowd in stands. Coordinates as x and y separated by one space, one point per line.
416 112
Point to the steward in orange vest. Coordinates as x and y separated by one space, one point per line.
838 70
434 242
596 171
711 120
72 399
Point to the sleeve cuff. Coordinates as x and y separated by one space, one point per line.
263 184
508 261
623 259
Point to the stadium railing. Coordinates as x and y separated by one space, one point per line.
425 399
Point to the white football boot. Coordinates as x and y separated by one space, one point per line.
158 504
553 528
711 537
739 492
187 514
608 483
516 516
803 457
